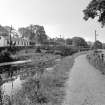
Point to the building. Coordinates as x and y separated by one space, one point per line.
5 41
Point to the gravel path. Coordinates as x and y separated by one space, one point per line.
86 85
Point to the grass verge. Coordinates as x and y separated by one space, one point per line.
96 61
49 89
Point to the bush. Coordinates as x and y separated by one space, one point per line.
64 50
96 59
38 50
47 90
5 56
59 49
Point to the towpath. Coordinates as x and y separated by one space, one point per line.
86 85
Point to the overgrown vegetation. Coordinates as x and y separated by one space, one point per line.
97 59
27 70
42 86
47 89
5 56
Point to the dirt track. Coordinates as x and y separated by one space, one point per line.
86 85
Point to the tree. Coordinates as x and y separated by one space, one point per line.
97 45
40 34
96 8
9 32
79 42
69 41
90 44
60 41
12 30
35 33
103 45
3 31
24 32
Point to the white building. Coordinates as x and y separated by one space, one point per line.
5 41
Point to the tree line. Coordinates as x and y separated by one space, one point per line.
36 35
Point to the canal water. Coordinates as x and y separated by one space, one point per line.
14 85
11 87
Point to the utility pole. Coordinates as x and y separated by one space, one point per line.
10 36
95 36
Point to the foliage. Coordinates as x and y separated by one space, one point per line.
60 41
5 56
24 32
79 42
64 50
12 30
9 32
38 50
103 45
40 34
97 59
5 31
90 44
51 89
1 91
52 83
69 41
96 8
97 45
35 33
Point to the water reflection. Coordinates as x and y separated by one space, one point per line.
9 83
8 89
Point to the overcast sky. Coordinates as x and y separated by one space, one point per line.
59 17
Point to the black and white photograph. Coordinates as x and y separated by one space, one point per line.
52 52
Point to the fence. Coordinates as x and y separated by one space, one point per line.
97 59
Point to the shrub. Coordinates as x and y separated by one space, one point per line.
38 50
64 50
96 59
5 56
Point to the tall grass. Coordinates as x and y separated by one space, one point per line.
51 86
48 88
96 59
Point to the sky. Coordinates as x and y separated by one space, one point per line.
59 17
